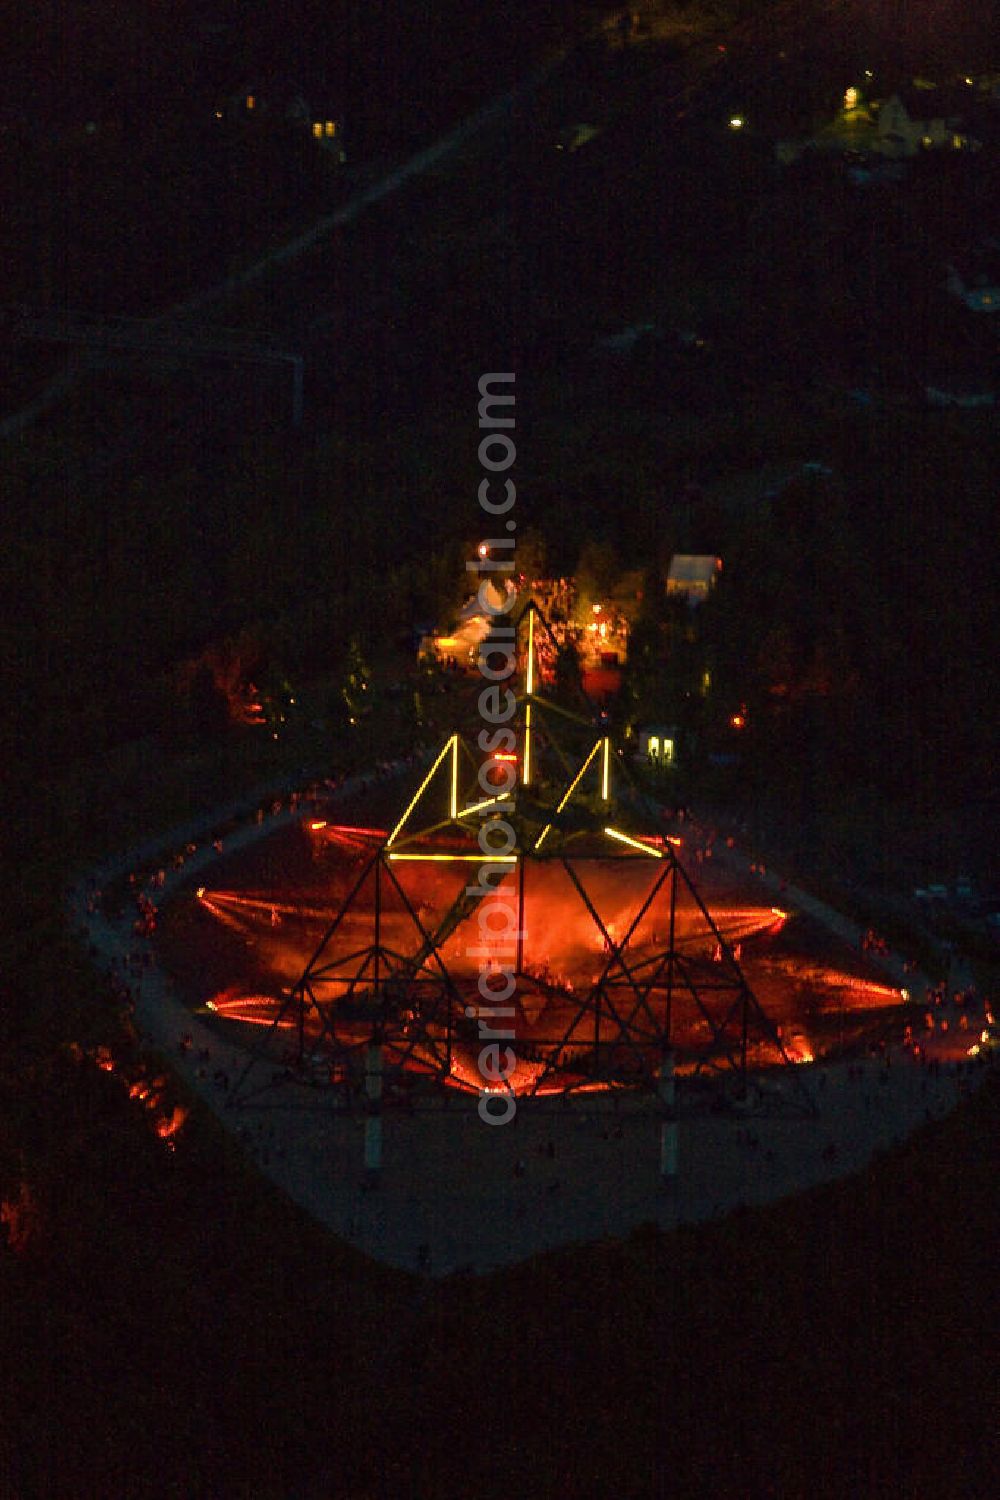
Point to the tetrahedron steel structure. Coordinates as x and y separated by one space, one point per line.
615 958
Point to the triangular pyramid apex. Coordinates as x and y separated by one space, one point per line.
532 625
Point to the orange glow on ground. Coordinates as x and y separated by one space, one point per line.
235 1004
170 1124
238 951
146 1090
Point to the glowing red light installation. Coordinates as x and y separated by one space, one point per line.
618 962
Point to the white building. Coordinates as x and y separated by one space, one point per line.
657 744
693 576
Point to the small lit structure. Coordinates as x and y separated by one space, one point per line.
572 137
657 744
980 292
473 626
693 576
906 125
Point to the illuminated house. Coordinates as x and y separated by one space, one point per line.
471 630
657 744
281 103
915 120
693 576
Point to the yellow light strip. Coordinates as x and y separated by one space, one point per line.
569 792
531 649
623 838
453 811
578 777
606 771
420 791
479 859
478 806
526 769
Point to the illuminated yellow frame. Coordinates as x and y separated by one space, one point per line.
452 746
